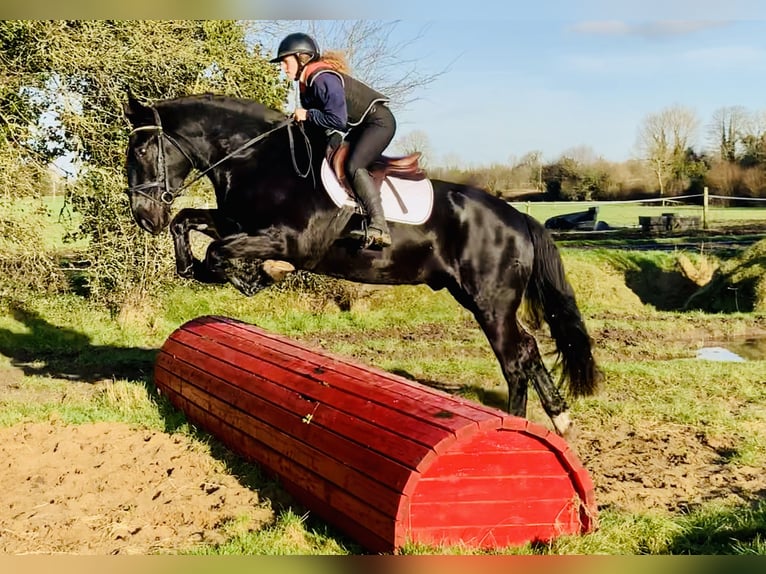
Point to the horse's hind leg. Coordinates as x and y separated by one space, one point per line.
503 335
520 362
553 403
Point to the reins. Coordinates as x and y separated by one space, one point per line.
168 196
308 151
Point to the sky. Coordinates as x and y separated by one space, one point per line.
524 76
514 85
552 76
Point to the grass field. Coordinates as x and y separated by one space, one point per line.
676 446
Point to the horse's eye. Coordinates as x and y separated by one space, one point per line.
141 151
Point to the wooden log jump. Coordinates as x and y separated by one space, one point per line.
384 459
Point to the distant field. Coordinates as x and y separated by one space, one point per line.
52 214
59 217
627 214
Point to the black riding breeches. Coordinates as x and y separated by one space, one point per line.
368 140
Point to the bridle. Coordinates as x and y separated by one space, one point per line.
168 196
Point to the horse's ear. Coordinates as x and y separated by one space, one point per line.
136 112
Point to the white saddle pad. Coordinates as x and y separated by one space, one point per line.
404 201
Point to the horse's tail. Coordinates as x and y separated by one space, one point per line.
549 294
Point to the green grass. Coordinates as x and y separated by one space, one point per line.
289 535
715 529
54 399
686 391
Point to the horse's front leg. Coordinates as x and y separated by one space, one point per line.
251 262
187 266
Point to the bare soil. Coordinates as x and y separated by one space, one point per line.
106 488
663 468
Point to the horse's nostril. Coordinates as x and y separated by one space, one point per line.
147 225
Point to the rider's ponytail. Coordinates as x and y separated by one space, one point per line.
336 60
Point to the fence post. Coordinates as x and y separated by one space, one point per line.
704 207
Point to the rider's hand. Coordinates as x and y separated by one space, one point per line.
300 114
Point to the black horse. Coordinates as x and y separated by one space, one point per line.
271 206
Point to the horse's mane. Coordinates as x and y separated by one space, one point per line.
233 105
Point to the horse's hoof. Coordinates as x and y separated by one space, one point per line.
562 422
186 272
245 289
276 269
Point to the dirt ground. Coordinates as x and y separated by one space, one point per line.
668 467
105 488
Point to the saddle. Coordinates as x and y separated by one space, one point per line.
403 167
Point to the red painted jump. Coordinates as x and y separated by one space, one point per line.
384 459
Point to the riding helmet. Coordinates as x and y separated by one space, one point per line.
297 43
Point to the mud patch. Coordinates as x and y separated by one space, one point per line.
106 488
666 467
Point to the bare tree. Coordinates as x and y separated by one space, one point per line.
533 161
415 141
663 139
452 161
725 131
369 47
582 154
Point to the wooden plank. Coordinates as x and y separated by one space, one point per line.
510 463
312 410
481 488
354 525
421 405
499 439
361 382
332 391
322 414
491 513
488 537
384 380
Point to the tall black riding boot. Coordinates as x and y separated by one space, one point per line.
376 236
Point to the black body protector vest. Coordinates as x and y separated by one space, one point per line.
360 98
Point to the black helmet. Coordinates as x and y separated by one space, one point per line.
297 43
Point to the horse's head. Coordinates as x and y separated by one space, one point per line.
156 170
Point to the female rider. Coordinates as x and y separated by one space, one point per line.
334 101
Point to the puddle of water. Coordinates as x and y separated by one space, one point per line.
718 354
752 349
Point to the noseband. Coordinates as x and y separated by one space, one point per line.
168 196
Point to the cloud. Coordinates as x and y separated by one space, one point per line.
651 29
